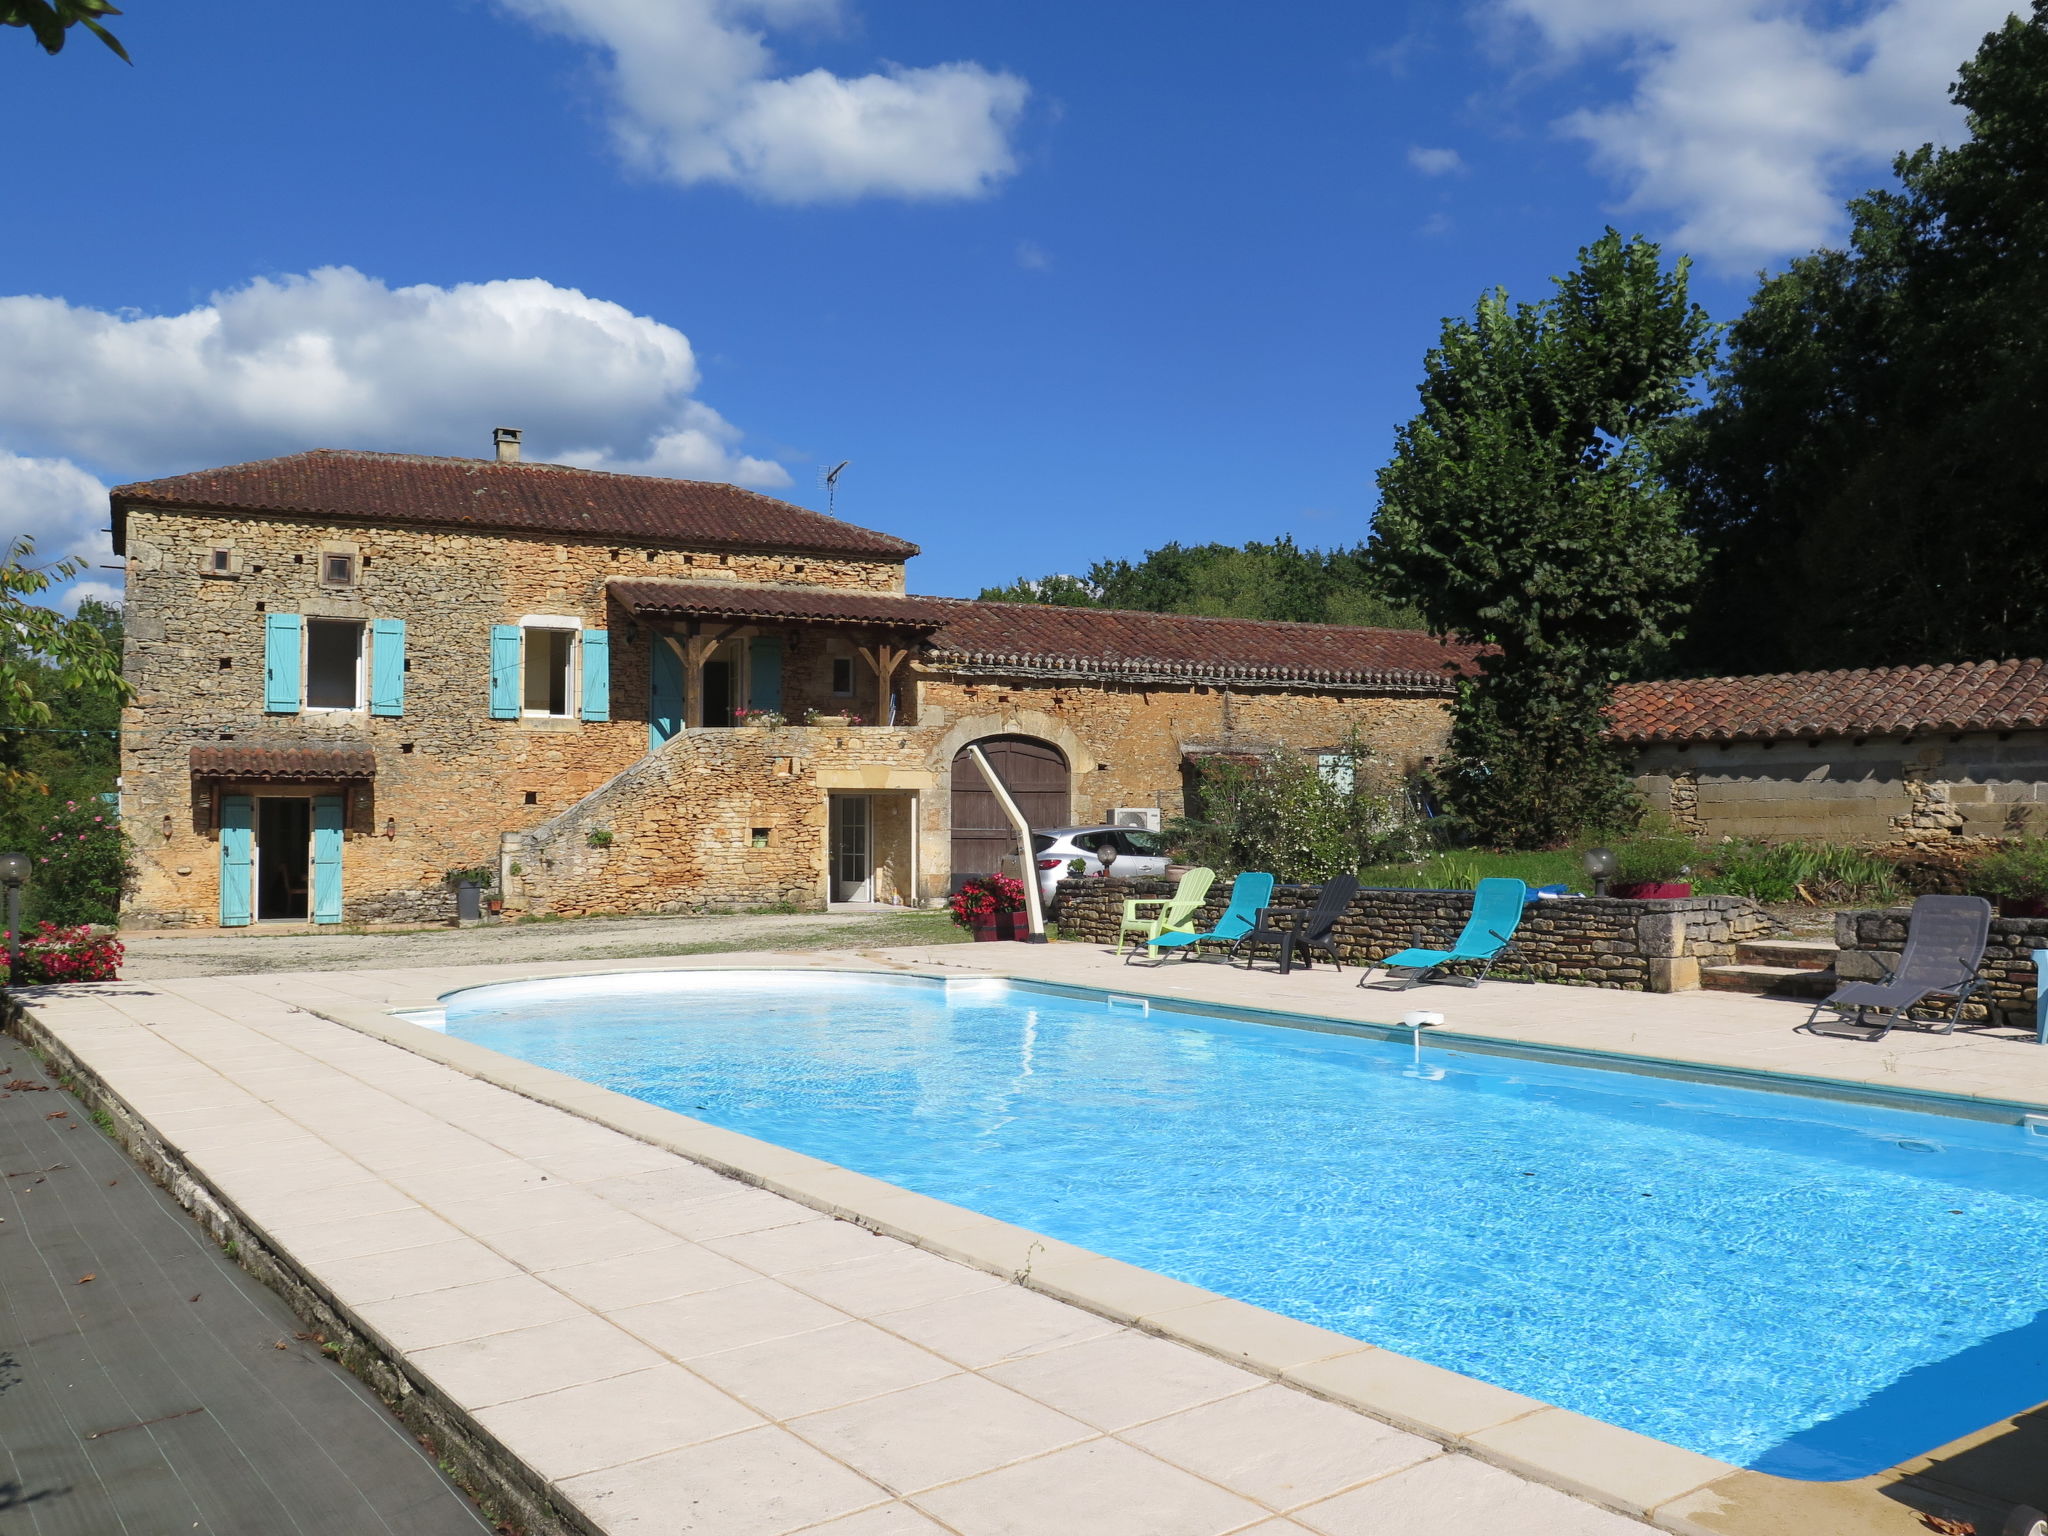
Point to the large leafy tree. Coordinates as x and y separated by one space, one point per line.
1523 510
51 21
1868 477
59 676
1256 580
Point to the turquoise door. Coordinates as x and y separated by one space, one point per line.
327 823
764 672
237 858
664 692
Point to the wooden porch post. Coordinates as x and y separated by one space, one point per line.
884 659
693 651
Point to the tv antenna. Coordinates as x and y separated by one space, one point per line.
831 478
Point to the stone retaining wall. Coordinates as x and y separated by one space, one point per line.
1641 946
1872 941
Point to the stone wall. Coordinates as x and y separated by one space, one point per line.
1642 946
1898 791
1871 943
715 819
449 778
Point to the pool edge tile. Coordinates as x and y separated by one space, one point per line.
1598 1460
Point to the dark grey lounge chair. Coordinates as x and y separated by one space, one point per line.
1945 940
1311 930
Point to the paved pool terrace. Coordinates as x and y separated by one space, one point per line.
629 1321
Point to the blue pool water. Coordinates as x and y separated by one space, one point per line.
1806 1286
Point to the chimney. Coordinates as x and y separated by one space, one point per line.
507 439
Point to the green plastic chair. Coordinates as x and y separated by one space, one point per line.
1173 913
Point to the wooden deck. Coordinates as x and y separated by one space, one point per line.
142 1387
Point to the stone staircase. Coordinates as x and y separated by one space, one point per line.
1776 968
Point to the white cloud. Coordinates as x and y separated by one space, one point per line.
696 98
1751 120
64 509
1435 162
337 359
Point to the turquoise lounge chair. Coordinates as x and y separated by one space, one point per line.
1497 907
1248 895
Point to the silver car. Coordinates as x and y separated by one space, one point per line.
1130 850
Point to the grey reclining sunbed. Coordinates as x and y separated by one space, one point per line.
1945 941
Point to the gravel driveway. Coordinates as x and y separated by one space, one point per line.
159 956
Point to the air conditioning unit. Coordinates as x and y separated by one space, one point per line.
1144 817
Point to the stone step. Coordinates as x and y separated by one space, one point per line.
1803 954
1768 980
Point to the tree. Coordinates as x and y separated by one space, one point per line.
52 20
48 663
1523 510
1866 477
1256 580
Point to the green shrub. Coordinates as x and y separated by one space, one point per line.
1300 820
1660 856
2018 872
79 866
1820 874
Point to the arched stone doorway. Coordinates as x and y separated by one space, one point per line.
1036 773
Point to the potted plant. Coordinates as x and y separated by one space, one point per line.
470 884
992 907
2015 876
760 719
1653 869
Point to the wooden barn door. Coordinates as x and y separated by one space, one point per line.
1036 774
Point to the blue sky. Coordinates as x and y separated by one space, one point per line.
1063 281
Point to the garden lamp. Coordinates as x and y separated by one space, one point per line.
1599 864
14 868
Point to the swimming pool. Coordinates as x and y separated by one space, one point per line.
1803 1285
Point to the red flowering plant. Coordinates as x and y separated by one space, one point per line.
53 954
978 903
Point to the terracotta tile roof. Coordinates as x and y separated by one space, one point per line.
1888 701
1115 645
731 600
239 760
1093 644
483 493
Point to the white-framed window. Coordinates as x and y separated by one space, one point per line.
220 561
547 665
1339 770
334 664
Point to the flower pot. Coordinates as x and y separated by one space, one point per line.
1004 925
2023 906
830 722
1651 890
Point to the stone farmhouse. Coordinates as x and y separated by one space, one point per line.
1912 757
356 672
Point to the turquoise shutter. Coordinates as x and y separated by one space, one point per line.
764 672
327 814
281 632
597 674
387 666
664 691
237 854
504 671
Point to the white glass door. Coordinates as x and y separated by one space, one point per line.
852 862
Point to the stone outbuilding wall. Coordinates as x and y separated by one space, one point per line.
1876 791
1641 946
1871 943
